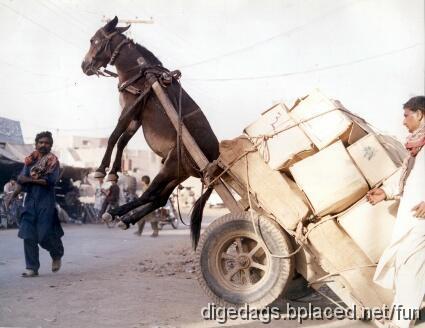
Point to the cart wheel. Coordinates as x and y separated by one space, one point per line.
234 266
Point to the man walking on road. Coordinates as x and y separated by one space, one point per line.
39 220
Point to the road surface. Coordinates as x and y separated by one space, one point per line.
112 278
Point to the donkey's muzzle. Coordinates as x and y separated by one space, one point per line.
87 68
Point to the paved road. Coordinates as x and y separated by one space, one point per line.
112 278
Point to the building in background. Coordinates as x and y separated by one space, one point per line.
10 132
88 152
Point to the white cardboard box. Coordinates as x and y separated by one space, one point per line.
370 226
372 159
330 180
320 119
284 148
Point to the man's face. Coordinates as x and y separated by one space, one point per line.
43 145
412 120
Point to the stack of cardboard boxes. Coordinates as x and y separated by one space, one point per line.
334 157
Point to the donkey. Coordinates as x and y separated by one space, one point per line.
109 46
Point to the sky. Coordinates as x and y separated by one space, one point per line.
237 58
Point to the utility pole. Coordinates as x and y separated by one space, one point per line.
130 21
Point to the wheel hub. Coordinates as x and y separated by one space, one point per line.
244 261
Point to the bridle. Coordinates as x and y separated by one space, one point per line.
106 48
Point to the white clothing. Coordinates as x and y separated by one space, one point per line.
402 265
99 197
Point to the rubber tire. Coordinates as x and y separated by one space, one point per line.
279 274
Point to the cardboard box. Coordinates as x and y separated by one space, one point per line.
320 119
354 133
372 159
276 193
284 148
394 179
370 226
330 180
338 253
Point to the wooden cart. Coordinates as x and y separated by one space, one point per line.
250 255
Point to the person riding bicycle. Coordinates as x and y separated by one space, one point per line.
112 197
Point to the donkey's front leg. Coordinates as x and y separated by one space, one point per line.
122 142
123 123
106 160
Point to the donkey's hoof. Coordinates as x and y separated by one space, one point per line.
107 218
123 225
112 177
99 175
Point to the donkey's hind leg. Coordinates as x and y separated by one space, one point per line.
166 175
122 142
138 213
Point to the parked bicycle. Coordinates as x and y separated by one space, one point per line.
10 217
168 214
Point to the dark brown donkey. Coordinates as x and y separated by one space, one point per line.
110 46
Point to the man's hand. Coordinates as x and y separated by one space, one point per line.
419 210
375 196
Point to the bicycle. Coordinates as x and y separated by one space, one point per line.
10 217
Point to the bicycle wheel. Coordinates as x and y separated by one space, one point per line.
3 215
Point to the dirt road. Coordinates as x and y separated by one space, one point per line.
112 278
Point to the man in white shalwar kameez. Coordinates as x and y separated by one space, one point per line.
402 265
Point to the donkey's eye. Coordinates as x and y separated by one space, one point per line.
96 41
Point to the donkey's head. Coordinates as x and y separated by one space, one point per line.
102 45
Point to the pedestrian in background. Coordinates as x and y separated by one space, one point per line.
149 217
112 197
99 197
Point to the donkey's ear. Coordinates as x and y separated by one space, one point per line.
122 29
110 26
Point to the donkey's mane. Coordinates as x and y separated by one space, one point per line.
148 55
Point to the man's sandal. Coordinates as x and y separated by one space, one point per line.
29 273
56 265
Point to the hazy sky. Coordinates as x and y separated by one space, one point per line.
237 57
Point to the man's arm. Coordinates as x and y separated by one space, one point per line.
28 180
25 178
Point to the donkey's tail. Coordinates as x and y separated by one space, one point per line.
196 217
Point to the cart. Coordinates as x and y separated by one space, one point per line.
250 255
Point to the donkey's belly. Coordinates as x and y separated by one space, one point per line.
160 143
159 133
